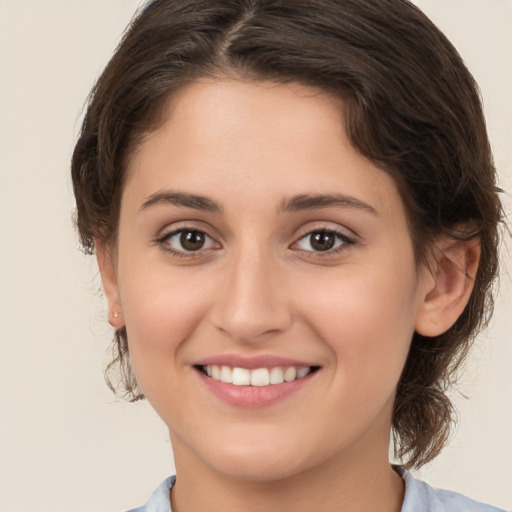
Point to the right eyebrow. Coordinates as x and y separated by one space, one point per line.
175 198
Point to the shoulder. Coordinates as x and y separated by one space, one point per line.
421 497
159 501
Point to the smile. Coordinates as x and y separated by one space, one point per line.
256 377
253 382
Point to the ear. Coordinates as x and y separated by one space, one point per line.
448 288
106 264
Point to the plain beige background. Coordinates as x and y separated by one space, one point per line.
66 445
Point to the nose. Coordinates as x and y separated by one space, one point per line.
252 303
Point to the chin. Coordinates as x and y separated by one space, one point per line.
257 462
261 468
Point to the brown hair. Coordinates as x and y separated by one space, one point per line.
410 106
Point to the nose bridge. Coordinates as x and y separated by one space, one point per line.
253 301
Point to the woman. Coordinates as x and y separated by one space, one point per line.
294 211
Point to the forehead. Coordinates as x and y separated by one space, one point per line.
256 117
246 140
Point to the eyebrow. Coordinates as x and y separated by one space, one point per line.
294 204
181 199
316 201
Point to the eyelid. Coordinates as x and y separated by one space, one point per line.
347 240
166 234
171 235
191 224
346 236
328 226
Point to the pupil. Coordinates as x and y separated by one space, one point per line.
322 241
192 240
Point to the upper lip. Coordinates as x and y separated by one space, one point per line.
252 362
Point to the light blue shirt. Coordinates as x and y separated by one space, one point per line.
419 497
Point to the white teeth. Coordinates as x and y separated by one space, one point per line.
241 377
226 374
257 377
260 377
290 374
276 375
302 372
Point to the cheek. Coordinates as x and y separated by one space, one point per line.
162 308
366 316
158 298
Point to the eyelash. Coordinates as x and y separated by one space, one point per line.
343 239
164 243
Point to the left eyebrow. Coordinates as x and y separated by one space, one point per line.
315 201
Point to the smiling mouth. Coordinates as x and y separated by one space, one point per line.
257 377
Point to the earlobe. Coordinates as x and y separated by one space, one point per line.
447 291
106 264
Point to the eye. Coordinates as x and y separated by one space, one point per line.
322 241
187 240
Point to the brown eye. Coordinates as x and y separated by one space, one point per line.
192 240
188 240
323 241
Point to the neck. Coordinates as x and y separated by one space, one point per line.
352 484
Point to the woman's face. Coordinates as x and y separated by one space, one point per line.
253 236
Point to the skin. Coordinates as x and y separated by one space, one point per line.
258 287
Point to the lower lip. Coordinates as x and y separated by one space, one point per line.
254 396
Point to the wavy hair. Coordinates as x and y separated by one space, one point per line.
410 106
